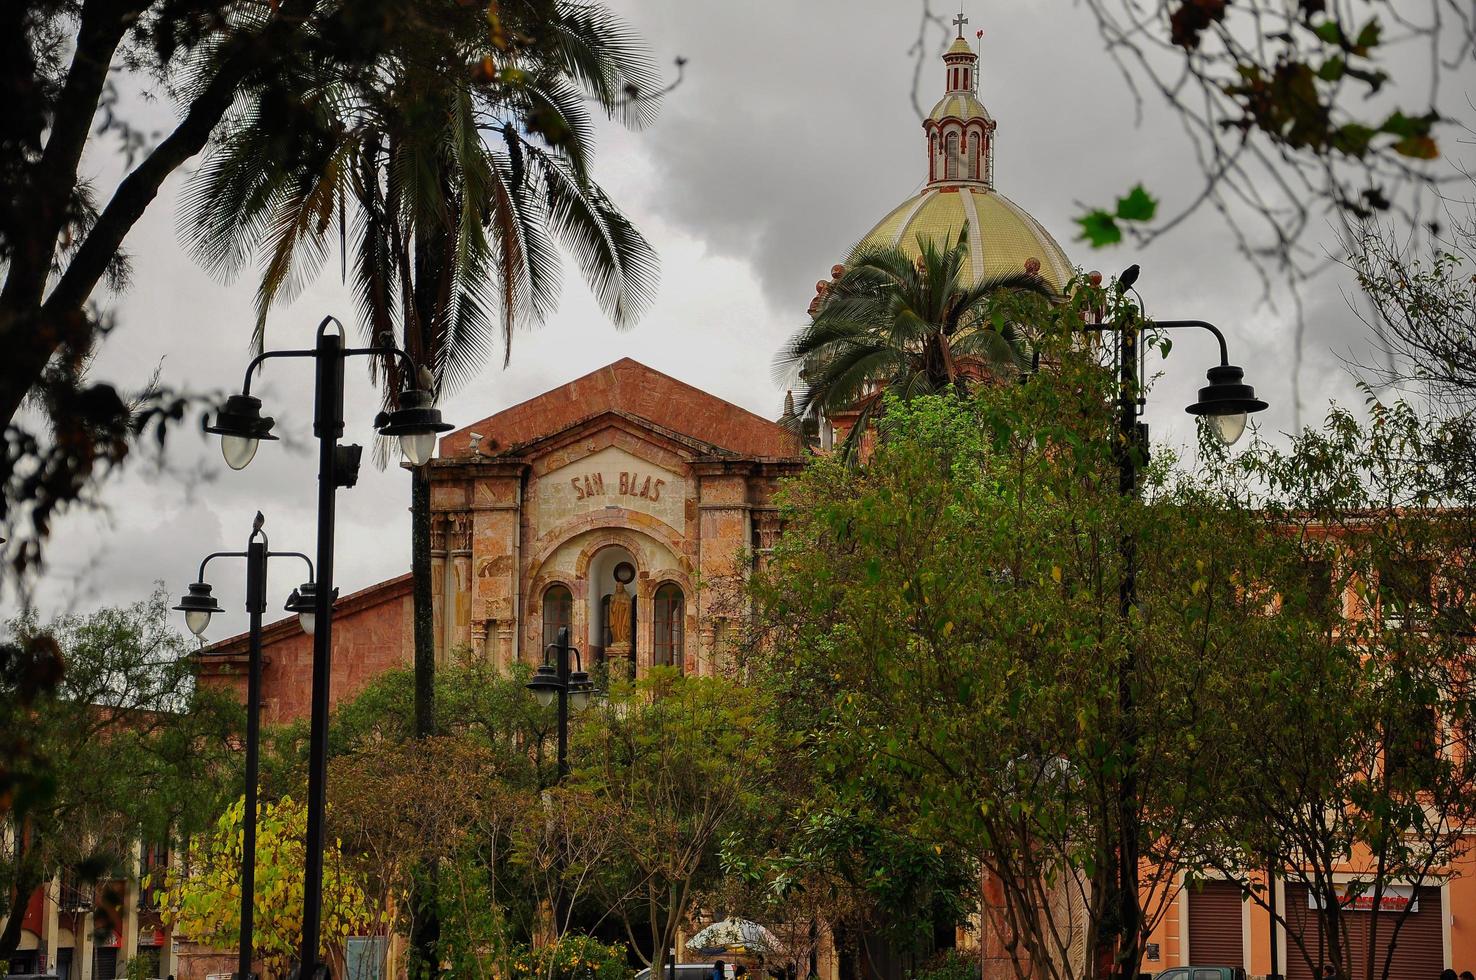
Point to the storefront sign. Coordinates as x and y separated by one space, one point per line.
1394 898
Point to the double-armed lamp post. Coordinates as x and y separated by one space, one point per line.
1224 403
573 688
198 605
242 429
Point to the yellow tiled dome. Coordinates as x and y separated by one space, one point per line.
959 105
1002 236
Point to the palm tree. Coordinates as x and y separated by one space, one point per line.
895 324
442 176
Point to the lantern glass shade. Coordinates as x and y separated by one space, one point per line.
579 690
418 447
198 605
1226 402
1228 428
198 620
417 422
238 450
304 602
545 684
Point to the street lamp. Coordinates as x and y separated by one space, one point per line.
1224 403
199 605
572 688
304 602
242 427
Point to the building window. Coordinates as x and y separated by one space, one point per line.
974 156
1404 592
558 612
1411 747
952 156
670 615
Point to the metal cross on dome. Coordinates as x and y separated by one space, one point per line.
959 22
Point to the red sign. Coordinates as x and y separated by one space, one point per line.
1393 898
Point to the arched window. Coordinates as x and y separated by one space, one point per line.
558 612
973 156
670 615
953 161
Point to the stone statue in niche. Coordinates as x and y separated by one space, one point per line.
620 619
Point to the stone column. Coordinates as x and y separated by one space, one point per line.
460 547
645 622
438 581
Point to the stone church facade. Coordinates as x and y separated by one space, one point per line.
539 512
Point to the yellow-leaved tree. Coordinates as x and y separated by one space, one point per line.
202 899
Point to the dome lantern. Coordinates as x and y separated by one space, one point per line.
959 129
1003 238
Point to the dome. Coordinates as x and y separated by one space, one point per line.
1003 237
961 105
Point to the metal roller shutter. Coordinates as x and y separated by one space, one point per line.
1419 952
1216 936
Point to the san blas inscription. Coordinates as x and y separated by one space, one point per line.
629 483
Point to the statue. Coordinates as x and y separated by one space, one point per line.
620 632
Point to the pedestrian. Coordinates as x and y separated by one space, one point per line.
1467 975
1447 975
720 971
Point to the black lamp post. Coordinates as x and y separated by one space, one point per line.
573 688
242 427
1225 403
199 605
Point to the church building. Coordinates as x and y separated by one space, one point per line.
624 505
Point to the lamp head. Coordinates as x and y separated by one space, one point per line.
581 690
304 602
241 427
1226 401
545 684
198 605
416 422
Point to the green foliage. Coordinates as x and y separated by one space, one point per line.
940 631
910 327
1100 228
573 957
1360 688
949 965
672 765
120 744
202 898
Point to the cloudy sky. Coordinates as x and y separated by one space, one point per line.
791 135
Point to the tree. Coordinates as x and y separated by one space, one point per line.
677 763
1363 703
892 324
123 748
62 230
449 170
941 629
1421 307
202 899
1277 101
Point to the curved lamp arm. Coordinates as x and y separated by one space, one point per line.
259 359
217 554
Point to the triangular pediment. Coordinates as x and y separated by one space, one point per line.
627 389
